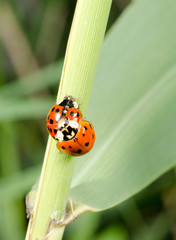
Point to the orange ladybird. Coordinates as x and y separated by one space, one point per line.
60 115
65 124
81 143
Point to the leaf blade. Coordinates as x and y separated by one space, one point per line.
135 102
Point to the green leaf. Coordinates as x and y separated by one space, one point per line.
40 80
132 108
15 109
15 186
113 232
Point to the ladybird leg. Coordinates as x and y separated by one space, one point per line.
60 152
79 99
80 102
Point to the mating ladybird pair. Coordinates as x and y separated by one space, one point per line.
74 135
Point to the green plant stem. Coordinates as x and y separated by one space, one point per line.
81 59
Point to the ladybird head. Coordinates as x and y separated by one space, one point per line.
68 102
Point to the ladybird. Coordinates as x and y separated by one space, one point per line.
64 115
80 141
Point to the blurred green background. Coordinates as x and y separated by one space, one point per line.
33 38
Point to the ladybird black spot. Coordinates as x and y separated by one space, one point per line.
50 130
53 109
51 121
63 147
87 144
90 126
85 128
83 134
79 151
57 110
72 114
70 146
93 136
55 131
77 114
